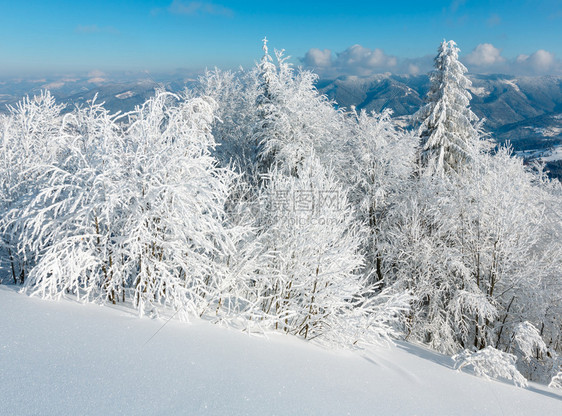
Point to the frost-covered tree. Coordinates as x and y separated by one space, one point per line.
310 276
131 206
509 243
449 130
172 196
233 128
293 119
31 138
421 258
273 115
309 282
382 164
491 363
68 223
481 256
268 129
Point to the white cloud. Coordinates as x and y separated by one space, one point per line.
485 54
365 59
541 60
53 85
521 58
355 60
194 8
358 60
538 63
487 57
484 58
318 58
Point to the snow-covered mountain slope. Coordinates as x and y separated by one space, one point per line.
526 111
500 99
69 358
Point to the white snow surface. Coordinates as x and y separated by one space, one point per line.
70 358
512 83
479 91
555 154
126 94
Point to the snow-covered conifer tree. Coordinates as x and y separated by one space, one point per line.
449 130
267 110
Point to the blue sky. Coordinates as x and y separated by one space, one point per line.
330 36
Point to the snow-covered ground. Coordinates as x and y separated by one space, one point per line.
555 154
69 358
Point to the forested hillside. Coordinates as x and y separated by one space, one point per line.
253 200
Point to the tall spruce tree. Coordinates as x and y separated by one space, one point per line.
267 111
449 130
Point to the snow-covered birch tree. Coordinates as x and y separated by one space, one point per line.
31 139
173 197
383 163
69 223
310 276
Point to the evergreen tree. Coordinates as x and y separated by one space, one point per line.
449 129
267 111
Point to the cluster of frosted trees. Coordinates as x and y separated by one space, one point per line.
252 200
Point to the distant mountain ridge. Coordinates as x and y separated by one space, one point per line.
501 99
526 111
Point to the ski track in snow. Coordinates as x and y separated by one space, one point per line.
70 358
